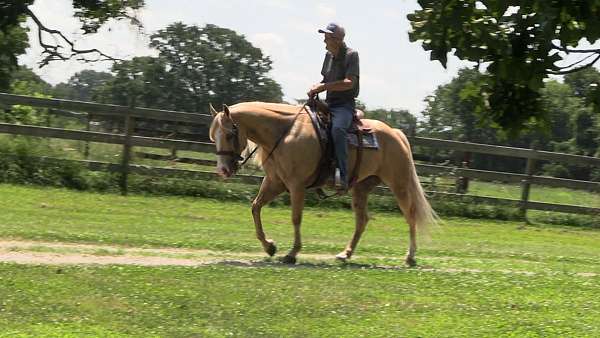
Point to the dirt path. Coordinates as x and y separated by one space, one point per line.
55 253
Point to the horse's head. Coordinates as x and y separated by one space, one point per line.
229 139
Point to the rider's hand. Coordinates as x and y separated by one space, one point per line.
316 89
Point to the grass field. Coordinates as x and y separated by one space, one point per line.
475 278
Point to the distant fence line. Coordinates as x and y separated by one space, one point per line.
128 140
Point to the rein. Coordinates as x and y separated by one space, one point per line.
236 143
284 133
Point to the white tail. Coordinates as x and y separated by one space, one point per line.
421 211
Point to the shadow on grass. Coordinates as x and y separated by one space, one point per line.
274 263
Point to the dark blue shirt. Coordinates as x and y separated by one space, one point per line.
345 65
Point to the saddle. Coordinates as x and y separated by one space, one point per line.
321 119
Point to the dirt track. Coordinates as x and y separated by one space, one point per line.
54 253
30 252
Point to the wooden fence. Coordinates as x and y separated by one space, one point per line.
129 140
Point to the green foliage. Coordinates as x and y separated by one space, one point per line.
19 167
94 13
213 64
519 41
452 112
400 119
26 82
196 66
13 42
30 82
82 86
11 13
555 170
143 78
457 111
13 37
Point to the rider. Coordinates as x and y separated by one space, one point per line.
341 81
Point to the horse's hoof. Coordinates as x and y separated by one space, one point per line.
411 262
271 248
287 259
342 256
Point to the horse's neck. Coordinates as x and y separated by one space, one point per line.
263 127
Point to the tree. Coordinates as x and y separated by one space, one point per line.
13 42
213 64
25 82
586 85
145 78
82 86
56 46
522 42
451 112
396 118
196 66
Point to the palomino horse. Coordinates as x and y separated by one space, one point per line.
289 153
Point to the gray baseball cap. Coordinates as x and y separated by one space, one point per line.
335 29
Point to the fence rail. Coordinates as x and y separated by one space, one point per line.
105 109
128 140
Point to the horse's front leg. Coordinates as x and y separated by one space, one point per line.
297 200
269 189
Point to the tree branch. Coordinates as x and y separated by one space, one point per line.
567 50
52 51
573 70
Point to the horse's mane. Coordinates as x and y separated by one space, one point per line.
281 108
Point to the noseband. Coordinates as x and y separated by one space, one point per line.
236 153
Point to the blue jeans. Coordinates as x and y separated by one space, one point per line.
341 119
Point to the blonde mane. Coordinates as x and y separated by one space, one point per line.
262 107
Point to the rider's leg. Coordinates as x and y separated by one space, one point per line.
341 118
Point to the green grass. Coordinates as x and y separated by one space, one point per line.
476 277
537 193
308 301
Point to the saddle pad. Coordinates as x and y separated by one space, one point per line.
369 141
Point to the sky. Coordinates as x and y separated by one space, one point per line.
395 73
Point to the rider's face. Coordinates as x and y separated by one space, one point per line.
332 44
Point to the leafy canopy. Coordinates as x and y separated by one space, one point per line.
195 66
91 13
522 42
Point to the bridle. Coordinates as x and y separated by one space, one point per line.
236 153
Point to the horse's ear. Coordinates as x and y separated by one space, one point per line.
226 110
213 112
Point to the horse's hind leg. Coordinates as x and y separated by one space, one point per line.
269 189
297 201
360 193
405 203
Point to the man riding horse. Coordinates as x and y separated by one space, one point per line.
341 81
290 152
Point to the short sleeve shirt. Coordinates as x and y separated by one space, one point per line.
339 68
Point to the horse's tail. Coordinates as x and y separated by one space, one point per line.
420 209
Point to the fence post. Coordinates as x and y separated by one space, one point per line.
126 156
525 188
462 183
86 148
